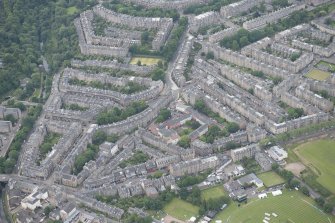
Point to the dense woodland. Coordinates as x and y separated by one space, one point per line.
25 26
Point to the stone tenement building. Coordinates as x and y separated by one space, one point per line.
203 20
89 49
293 31
296 102
247 151
272 17
163 25
194 166
154 87
138 120
9 111
139 70
86 19
173 4
277 128
303 91
255 50
244 61
178 71
237 8
216 37
247 81
5 126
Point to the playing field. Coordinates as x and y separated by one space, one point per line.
270 178
291 207
329 66
213 192
181 209
319 155
145 60
318 74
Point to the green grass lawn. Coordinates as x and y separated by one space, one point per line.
270 178
181 209
145 60
291 207
319 155
213 192
71 10
318 74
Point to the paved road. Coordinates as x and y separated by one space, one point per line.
2 212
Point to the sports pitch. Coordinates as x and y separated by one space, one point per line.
291 207
317 74
145 60
181 210
319 155
270 178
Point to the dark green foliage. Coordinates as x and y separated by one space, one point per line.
10 118
191 180
139 201
130 88
49 141
163 115
136 219
137 158
74 107
184 141
214 132
7 164
99 137
213 5
169 49
304 190
244 37
201 107
138 10
112 138
193 124
115 114
89 154
158 74
294 113
250 164
232 127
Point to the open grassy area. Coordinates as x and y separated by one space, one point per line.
181 209
213 192
271 178
71 10
319 156
145 60
317 74
330 66
291 207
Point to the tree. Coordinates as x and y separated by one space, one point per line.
10 118
210 55
328 208
235 46
320 201
99 137
293 183
184 141
232 127
163 115
139 63
305 190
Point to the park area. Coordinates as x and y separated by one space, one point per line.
213 192
317 74
291 206
270 179
145 61
319 156
181 209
